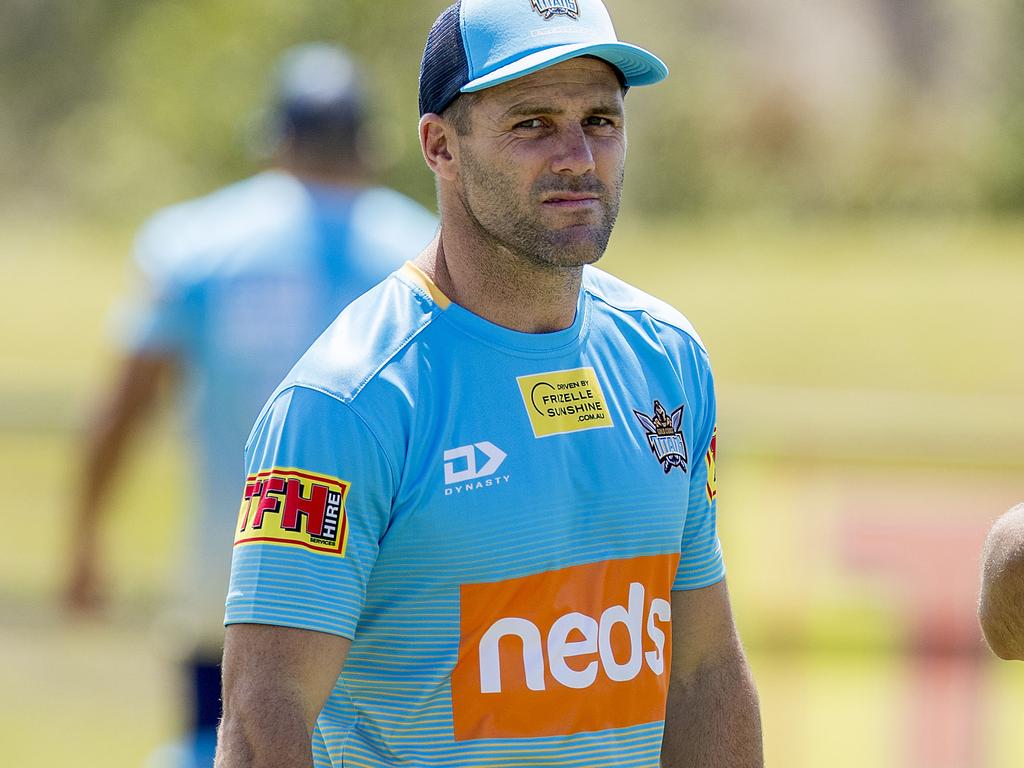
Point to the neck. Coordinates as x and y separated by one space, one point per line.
499 285
323 174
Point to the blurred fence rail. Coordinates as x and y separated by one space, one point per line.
876 425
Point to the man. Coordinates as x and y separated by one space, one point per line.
1001 604
479 523
239 284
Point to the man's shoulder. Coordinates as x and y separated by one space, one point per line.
620 297
386 226
369 336
378 206
188 237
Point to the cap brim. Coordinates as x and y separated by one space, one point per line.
638 67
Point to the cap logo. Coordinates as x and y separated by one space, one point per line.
551 8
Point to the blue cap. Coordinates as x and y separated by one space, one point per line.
477 44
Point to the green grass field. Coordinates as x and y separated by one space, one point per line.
867 368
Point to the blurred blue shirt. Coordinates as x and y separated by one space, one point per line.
238 284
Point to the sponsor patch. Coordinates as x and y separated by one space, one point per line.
665 436
579 649
294 507
464 471
564 401
551 8
709 460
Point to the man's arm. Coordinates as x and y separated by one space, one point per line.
713 718
126 405
1001 603
276 681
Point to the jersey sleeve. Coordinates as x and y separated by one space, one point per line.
159 315
700 561
315 505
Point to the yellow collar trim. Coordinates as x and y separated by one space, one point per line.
419 277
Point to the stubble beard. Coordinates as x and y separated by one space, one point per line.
490 200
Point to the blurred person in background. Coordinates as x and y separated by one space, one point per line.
1001 604
237 285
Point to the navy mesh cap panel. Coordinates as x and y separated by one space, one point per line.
444 68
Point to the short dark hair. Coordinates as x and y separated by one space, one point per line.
459 113
339 144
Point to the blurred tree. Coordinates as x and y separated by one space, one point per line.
116 108
188 81
917 34
49 68
127 106
1006 164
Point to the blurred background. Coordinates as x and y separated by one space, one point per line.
832 192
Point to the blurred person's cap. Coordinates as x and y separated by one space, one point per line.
318 85
476 44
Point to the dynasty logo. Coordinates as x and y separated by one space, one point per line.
463 472
551 8
665 436
289 506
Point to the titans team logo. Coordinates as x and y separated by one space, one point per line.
665 436
551 8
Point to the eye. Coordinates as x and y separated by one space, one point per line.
532 124
601 122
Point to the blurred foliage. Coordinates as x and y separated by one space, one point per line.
124 106
114 108
1006 162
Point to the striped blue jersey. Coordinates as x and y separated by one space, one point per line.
496 520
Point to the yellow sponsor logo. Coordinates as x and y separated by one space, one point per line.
293 507
709 460
564 401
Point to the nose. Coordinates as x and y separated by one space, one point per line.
574 155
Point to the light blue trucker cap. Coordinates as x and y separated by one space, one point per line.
476 44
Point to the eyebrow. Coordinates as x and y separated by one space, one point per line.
526 110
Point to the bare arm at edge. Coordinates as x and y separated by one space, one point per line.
713 717
1001 602
276 681
126 406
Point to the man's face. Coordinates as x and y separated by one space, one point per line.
540 170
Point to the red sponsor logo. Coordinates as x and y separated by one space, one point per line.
295 507
709 461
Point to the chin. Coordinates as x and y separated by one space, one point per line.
584 247
574 254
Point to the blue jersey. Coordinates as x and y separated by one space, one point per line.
239 283
496 520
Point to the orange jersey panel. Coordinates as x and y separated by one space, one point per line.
584 648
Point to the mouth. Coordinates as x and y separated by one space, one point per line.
571 201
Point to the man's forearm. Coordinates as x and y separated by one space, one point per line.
271 742
127 405
276 680
713 718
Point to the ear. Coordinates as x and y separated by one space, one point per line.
439 145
